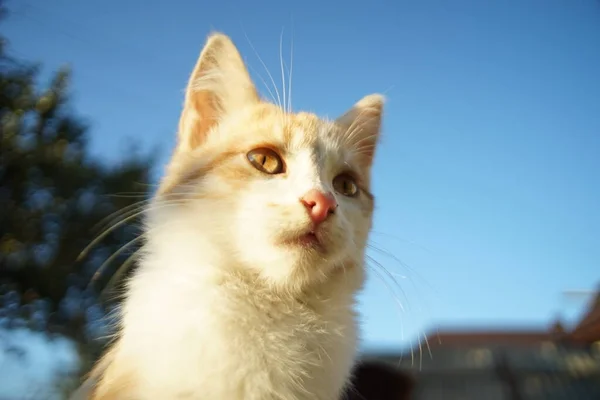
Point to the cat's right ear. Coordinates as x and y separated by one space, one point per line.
362 126
219 85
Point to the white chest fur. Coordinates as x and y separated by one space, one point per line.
217 337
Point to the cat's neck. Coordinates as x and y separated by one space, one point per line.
187 307
207 317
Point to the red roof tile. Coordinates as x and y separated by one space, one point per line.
588 329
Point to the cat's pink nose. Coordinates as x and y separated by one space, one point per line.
319 205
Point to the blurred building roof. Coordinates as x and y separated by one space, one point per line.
588 328
488 337
508 364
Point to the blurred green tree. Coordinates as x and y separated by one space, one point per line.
53 195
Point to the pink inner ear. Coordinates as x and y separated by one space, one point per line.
198 117
219 84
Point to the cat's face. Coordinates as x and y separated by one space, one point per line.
284 195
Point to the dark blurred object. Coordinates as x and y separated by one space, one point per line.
588 328
508 364
53 194
378 381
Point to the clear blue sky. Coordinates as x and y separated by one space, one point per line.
488 175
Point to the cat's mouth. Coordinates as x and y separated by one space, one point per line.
311 240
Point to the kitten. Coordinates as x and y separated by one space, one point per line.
254 252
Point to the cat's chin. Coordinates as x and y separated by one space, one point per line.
296 262
309 241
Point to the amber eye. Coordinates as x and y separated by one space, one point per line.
345 185
266 160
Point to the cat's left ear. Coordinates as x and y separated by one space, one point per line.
219 85
362 125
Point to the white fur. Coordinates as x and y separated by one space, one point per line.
220 306
196 325
213 337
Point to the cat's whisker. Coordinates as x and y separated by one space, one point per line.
151 185
124 267
374 246
265 67
129 210
264 83
291 72
428 346
389 275
128 194
409 278
284 106
399 305
107 231
108 220
404 265
100 271
376 270
420 351
398 275
121 270
422 337
402 240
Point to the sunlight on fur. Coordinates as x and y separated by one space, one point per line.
254 249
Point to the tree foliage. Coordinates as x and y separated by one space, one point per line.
53 195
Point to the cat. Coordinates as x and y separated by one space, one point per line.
254 252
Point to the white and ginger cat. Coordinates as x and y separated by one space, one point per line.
255 250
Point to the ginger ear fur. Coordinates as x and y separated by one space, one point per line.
219 85
361 126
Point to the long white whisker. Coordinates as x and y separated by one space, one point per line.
394 280
373 246
398 303
110 259
264 83
108 220
107 231
291 71
265 67
118 274
412 282
282 69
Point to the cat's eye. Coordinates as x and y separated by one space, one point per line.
345 185
266 160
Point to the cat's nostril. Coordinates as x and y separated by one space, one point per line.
319 205
309 204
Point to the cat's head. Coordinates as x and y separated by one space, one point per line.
283 195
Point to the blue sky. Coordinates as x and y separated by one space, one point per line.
488 175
